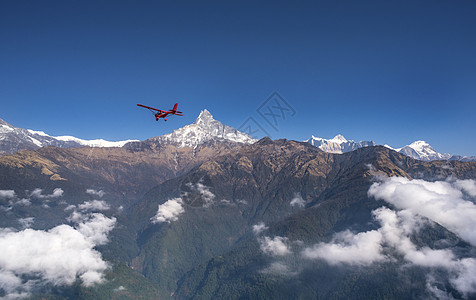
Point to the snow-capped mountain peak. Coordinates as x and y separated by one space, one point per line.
204 129
420 145
204 118
423 151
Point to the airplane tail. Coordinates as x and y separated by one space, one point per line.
175 107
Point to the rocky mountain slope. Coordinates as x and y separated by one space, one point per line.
252 214
228 217
272 219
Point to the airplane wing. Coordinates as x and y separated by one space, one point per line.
151 108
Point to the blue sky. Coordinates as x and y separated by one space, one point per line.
390 71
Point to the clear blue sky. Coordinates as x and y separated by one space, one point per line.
391 71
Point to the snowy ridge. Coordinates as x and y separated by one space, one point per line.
14 139
204 129
93 143
339 144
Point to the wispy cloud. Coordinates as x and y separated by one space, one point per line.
298 200
22 202
279 268
119 289
94 205
38 193
204 191
94 192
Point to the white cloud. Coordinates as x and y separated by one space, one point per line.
38 193
276 246
58 256
7 194
297 201
56 193
258 228
99 193
94 205
95 227
440 201
360 249
169 211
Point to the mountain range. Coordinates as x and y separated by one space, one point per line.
204 129
420 150
207 212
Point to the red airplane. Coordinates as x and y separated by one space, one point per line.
163 113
